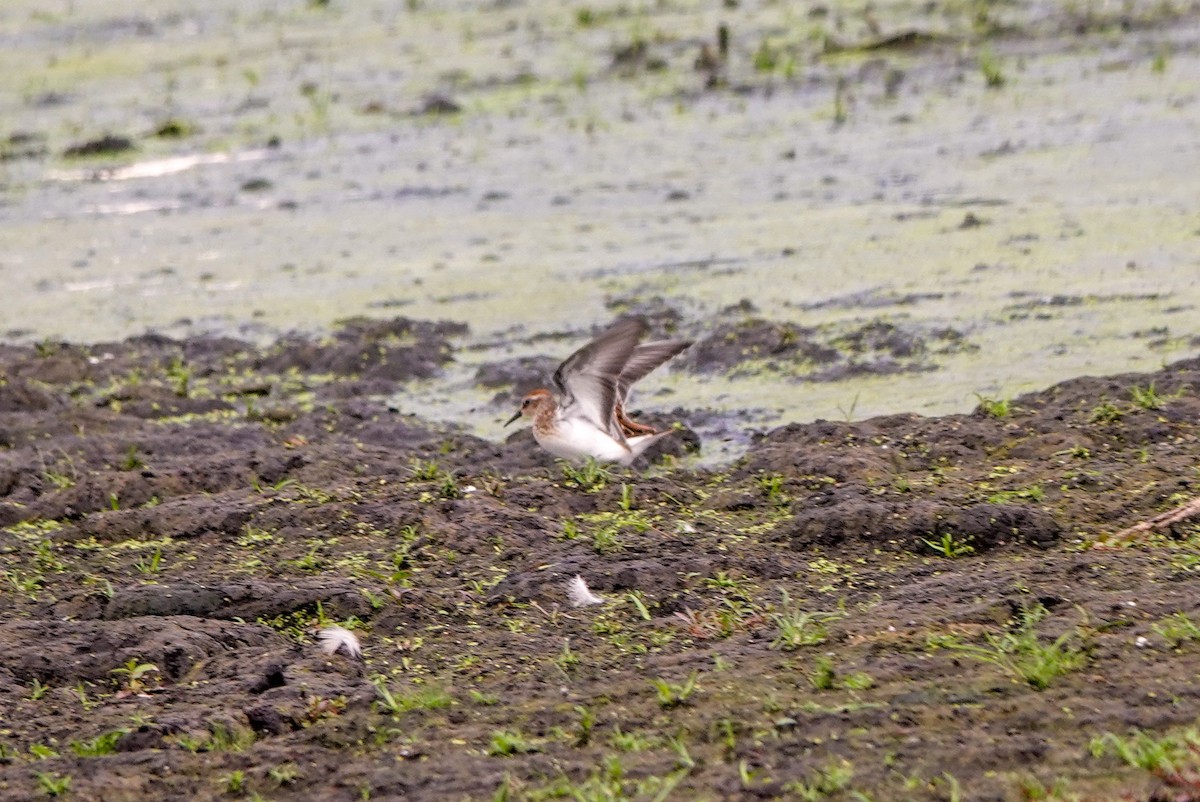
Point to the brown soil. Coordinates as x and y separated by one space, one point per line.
199 505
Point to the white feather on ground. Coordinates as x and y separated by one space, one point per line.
339 639
580 594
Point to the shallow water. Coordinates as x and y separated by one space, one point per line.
1052 220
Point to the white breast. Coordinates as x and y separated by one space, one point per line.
578 439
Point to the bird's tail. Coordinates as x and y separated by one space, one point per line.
640 443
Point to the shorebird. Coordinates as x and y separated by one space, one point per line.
584 416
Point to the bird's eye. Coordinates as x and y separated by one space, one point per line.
525 403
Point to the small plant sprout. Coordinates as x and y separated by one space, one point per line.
448 486
772 487
235 781
427 698
590 476
746 774
673 695
989 65
626 501
639 604
949 546
799 628
134 676
284 773
103 744
42 752
1171 758
54 784
133 460
1158 65
483 698
607 539
632 741
81 692
953 786
765 57
587 722
841 113
151 564
1106 412
580 595
339 639
181 376
507 742
425 469
1024 655
1175 629
566 660
1033 790
826 781
823 675
994 407
1148 397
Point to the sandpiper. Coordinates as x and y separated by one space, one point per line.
585 414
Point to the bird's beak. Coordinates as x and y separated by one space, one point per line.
513 418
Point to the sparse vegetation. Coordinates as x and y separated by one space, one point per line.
1147 397
180 376
1173 758
103 744
591 475
765 57
234 781
1106 412
949 545
994 407
772 486
151 564
798 627
830 779
1177 630
676 694
54 784
218 738
989 65
509 742
427 698
284 774
134 676
1023 653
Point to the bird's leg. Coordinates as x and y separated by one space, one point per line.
631 428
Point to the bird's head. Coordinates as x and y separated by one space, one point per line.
530 405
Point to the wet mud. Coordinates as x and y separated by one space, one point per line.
277 273
880 347
903 607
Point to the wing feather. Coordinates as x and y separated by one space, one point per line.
644 359
588 380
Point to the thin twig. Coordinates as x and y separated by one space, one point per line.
1159 522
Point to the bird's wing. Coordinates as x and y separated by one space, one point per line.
645 358
588 379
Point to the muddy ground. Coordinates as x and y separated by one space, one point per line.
897 608
858 209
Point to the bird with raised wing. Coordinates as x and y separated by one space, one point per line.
584 416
